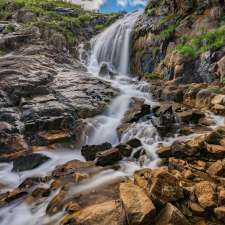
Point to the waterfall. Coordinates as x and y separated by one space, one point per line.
112 46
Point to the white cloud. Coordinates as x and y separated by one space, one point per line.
90 4
125 3
96 4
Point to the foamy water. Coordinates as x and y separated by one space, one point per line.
111 47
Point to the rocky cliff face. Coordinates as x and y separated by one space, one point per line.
181 41
44 90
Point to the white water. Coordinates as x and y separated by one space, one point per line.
111 47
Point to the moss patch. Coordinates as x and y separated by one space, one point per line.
50 14
151 76
197 45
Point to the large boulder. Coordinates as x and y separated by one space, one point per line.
90 151
138 206
160 185
164 120
106 213
205 193
165 187
29 162
217 168
170 215
109 157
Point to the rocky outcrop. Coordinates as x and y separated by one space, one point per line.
161 47
40 100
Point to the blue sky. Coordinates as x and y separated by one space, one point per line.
112 5
121 5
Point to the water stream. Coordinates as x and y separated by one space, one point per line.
112 48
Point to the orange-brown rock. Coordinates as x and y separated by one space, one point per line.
216 150
161 185
170 215
56 204
217 168
205 193
138 206
220 213
106 213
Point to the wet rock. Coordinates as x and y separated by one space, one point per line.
138 109
161 185
14 41
12 196
216 151
47 138
205 194
190 116
165 187
220 213
170 215
164 120
30 182
183 149
164 152
105 70
196 208
72 207
218 99
106 213
90 99
41 192
134 143
217 168
56 204
221 197
72 167
90 151
138 206
125 149
29 162
109 157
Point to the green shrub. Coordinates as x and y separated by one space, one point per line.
151 76
186 50
166 33
215 90
5 15
99 26
2 52
84 18
9 28
197 45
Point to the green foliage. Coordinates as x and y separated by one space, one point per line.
150 12
5 15
151 76
197 45
215 90
2 52
9 28
223 81
166 33
70 26
99 26
84 18
186 50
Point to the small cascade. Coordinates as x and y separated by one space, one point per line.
112 46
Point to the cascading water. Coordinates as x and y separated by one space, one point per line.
112 46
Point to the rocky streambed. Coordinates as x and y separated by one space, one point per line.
82 149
